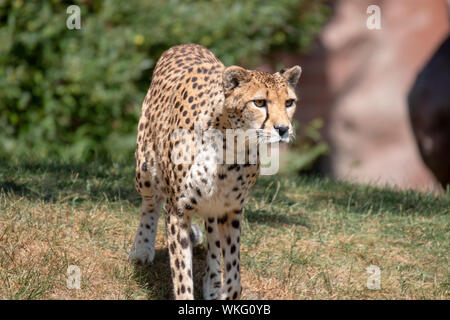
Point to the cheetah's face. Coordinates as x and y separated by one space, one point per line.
261 101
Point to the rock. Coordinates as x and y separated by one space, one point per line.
371 72
429 109
357 80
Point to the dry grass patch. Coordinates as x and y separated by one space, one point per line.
302 238
40 240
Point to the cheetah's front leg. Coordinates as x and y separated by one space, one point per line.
143 250
212 281
180 251
230 233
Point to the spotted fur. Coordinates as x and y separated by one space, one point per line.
192 90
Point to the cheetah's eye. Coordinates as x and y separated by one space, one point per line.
259 103
290 103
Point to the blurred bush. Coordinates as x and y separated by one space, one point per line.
309 146
77 93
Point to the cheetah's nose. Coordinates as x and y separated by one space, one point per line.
282 130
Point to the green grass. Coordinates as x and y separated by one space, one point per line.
302 237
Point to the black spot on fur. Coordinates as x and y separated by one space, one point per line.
223 219
184 243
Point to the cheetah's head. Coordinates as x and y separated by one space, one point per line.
262 101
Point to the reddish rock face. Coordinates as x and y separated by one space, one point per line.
358 81
371 72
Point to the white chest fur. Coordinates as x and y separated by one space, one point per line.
218 188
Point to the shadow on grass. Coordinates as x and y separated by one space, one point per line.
312 194
12 187
156 278
52 181
366 199
272 218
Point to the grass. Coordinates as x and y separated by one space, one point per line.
302 237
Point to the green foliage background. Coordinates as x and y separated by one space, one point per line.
77 93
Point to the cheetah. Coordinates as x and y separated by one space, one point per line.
192 92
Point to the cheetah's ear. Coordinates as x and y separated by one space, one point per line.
291 75
233 76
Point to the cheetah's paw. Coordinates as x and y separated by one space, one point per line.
211 287
143 255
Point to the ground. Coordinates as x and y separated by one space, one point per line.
302 237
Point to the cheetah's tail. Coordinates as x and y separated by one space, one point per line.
196 235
